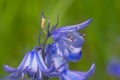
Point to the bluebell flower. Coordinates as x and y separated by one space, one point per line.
32 65
113 67
62 68
69 41
52 60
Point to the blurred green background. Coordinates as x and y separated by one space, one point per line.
20 26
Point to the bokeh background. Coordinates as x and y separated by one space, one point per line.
20 27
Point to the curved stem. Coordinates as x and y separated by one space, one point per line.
44 46
39 37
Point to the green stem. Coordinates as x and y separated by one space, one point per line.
43 53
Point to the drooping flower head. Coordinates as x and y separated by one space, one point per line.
61 66
28 65
52 60
69 41
32 65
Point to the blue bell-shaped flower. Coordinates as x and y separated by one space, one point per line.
69 42
61 66
32 65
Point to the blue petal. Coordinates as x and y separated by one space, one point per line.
28 65
69 44
88 73
25 61
72 38
9 69
68 51
34 75
17 75
75 27
75 75
75 57
30 60
42 64
53 58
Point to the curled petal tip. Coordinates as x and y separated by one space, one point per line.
9 69
75 27
84 24
89 21
76 75
91 70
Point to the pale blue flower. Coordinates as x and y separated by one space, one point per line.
62 68
32 65
52 60
69 41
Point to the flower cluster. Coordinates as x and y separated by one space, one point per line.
52 60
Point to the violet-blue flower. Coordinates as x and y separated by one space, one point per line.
29 65
32 65
52 59
62 68
69 41
113 67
